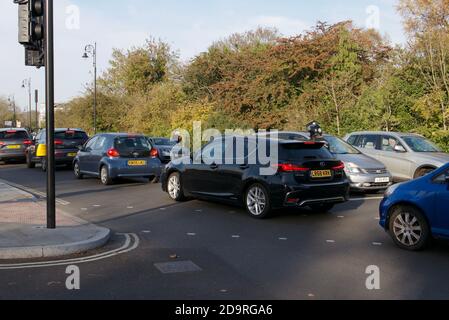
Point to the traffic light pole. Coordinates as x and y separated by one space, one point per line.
50 125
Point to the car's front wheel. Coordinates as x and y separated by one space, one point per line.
257 201
104 176
409 228
77 171
174 187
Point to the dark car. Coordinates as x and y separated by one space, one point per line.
305 174
111 156
13 143
67 142
164 146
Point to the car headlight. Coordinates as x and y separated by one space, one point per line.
353 168
392 189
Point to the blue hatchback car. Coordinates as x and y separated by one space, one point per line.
112 156
415 211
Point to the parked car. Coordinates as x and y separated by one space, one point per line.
407 156
67 142
164 147
364 173
111 156
415 211
305 175
13 143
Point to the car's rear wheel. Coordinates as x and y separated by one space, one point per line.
77 171
174 187
257 201
324 207
409 228
30 163
104 176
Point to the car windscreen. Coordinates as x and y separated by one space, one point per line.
338 146
13 135
420 144
163 142
127 145
71 135
303 152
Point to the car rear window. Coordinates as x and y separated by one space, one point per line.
71 135
13 135
303 152
163 142
127 145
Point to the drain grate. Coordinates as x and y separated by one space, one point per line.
177 267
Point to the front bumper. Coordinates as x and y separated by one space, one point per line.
368 182
384 209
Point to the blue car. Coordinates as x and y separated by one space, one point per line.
112 156
416 211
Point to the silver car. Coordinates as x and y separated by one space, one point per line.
365 173
407 156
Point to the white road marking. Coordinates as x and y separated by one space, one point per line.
283 239
191 234
96 206
367 198
341 217
378 244
330 241
146 231
101 256
236 236
129 207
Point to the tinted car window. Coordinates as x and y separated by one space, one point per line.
127 145
297 152
100 143
91 143
72 135
389 143
420 144
13 135
338 146
163 142
352 140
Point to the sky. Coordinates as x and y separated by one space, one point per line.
190 26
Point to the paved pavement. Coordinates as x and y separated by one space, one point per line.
23 234
200 250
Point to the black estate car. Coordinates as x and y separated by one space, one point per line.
67 142
303 174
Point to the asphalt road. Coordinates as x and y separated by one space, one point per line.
295 255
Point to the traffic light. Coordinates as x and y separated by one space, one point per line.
31 31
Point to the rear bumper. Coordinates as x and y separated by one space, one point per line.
120 169
305 195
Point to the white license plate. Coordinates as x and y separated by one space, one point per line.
382 180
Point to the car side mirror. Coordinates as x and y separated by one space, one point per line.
400 149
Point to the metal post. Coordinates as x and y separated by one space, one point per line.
29 104
50 103
14 124
95 87
36 100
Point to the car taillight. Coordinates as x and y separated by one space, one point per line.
340 167
154 153
2 143
27 142
287 167
58 142
113 153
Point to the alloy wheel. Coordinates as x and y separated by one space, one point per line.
407 229
174 186
256 201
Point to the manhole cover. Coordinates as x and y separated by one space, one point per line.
177 267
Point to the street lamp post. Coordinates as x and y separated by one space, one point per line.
91 51
27 83
12 103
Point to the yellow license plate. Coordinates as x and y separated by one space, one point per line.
137 163
13 147
321 174
72 155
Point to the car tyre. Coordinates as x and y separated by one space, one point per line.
30 163
257 201
422 172
104 176
324 207
174 187
77 171
409 228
